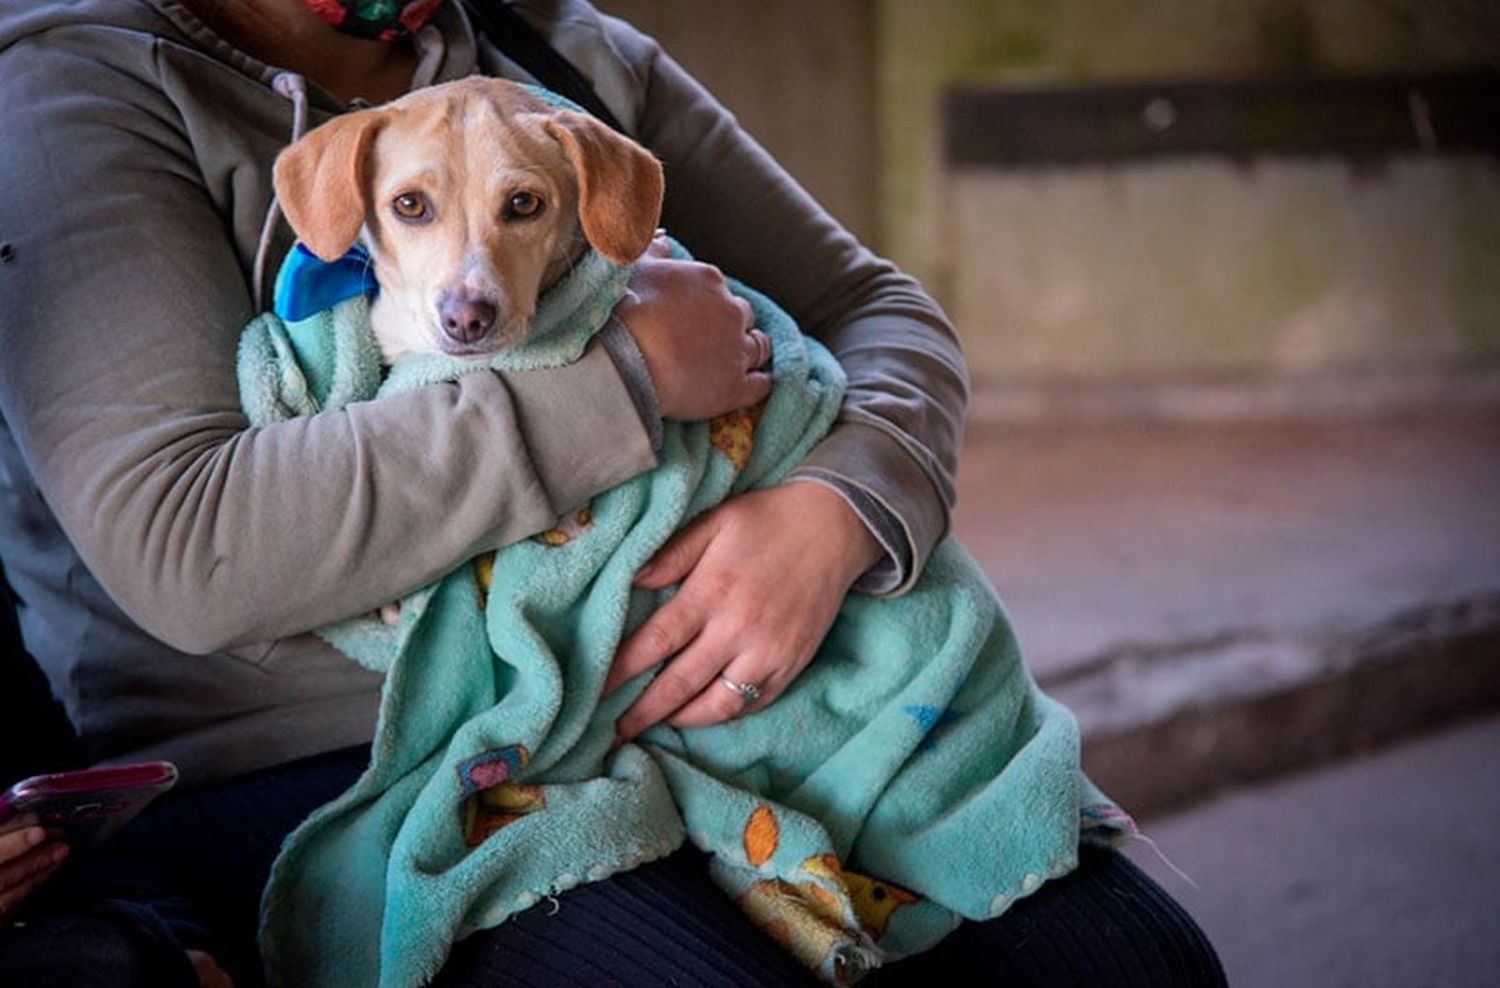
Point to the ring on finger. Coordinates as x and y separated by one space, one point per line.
747 692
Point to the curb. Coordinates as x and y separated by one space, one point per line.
1165 726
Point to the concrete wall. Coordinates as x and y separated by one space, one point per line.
798 75
1153 272
1148 272
925 47
1202 267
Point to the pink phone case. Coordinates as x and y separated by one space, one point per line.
90 805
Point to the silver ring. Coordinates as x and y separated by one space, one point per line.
748 692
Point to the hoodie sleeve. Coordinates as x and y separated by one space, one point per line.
121 305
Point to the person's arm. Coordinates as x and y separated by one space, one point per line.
898 436
790 553
121 305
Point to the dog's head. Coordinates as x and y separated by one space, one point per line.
472 197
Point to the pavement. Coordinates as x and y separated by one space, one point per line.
1221 603
1282 642
1380 870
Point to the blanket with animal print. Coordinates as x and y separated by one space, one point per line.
911 777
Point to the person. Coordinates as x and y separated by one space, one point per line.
172 560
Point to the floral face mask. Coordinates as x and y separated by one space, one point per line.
378 20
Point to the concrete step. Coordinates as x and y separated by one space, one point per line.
1223 603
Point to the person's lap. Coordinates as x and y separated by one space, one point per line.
201 858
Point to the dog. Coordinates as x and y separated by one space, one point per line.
472 197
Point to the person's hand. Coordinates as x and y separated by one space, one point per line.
27 859
762 575
698 340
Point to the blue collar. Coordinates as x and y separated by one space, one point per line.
307 285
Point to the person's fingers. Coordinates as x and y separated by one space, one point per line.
15 843
760 347
677 684
754 389
662 635
718 702
34 859
18 823
14 896
19 878
659 246
676 559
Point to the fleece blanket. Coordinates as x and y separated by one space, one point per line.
911 777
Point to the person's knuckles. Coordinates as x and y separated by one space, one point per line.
712 587
668 692
710 273
653 642
745 619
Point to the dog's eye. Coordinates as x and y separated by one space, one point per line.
410 206
523 205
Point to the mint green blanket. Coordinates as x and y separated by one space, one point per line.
912 776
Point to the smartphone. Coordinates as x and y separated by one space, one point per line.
88 806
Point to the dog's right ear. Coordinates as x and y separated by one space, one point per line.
320 182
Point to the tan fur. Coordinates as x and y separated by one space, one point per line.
467 147
619 194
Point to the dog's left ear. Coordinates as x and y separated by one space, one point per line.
619 185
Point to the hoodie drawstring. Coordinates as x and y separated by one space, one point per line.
431 48
291 86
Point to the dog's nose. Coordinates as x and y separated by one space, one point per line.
466 320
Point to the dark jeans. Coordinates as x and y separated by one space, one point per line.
189 872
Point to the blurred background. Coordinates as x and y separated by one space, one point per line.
1227 273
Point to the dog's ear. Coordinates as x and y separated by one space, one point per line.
619 185
320 182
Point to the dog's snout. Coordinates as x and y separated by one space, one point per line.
466 320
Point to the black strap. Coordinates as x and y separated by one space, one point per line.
524 45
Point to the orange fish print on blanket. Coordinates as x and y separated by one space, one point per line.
762 832
734 434
492 802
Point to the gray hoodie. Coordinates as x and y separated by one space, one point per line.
170 559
